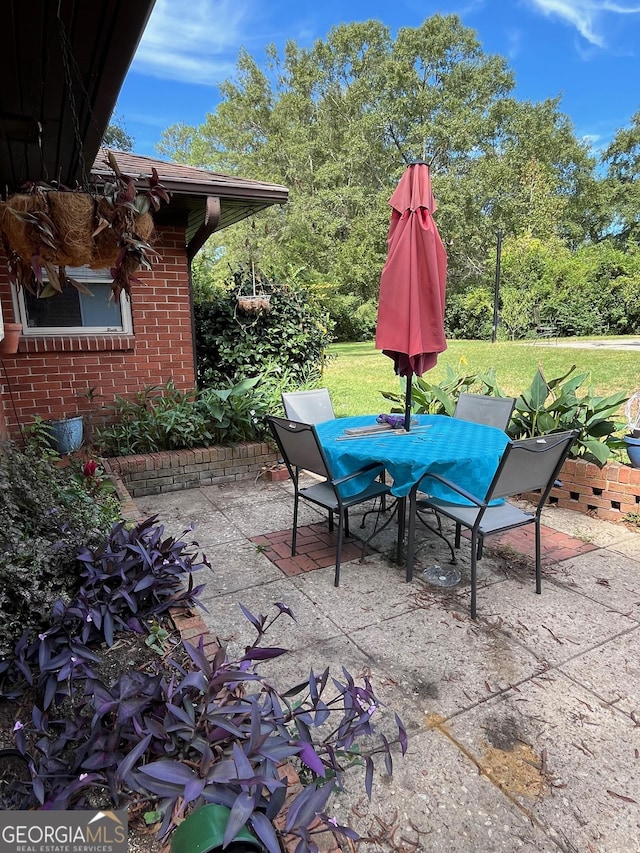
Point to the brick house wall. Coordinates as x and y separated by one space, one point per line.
49 375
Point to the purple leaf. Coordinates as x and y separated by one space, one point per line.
307 805
168 771
368 776
240 813
309 757
263 654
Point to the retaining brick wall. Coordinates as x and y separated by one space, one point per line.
170 471
608 493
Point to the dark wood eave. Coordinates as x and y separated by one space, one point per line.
209 225
39 139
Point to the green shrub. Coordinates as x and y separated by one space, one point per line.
353 319
546 406
233 345
161 417
47 514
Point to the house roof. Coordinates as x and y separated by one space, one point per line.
190 188
63 65
95 40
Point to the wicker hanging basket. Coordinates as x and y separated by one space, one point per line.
254 304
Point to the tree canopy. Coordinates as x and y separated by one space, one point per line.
338 123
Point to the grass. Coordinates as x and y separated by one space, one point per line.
357 372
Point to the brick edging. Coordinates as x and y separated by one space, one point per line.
173 470
609 492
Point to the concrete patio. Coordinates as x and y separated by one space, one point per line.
524 726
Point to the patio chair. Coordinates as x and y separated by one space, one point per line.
301 450
309 407
528 465
482 409
479 409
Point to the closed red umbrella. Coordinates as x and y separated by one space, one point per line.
410 327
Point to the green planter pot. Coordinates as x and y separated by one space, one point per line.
633 450
203 831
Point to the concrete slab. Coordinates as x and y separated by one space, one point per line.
523 725
436 800
440 662
611 672
554 626
225 617
583 787
605 576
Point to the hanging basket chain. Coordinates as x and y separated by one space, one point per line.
66 59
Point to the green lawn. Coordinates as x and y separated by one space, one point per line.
357 373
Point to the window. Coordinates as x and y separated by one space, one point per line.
74 312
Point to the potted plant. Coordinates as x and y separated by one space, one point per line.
632 438
257 300
50 227
11 339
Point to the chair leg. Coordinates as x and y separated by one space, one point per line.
474 575
411 535
346 522
294 534
330 521
538 560
458 532
336 580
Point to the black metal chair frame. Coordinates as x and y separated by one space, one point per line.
528 465
479 409
301 449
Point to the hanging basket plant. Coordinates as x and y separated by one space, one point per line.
257 300
52 227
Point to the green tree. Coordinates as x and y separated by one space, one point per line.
338 122
622 159
115 136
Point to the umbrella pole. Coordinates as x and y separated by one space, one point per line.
407 404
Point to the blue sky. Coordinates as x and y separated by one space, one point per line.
586 51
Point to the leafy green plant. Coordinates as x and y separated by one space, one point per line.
553 406
546 406
165 418
47 514
232 345
440 398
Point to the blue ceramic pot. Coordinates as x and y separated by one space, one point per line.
66 434
633 449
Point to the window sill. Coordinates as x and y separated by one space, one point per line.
75 343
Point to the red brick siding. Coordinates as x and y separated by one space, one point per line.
48 376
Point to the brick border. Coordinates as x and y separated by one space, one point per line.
609 492
173 470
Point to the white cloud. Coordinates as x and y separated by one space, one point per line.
514 42
587 16
194 43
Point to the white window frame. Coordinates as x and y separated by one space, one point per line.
85 276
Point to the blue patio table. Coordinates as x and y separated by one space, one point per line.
465 452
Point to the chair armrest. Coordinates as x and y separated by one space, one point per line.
455 488
374 466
